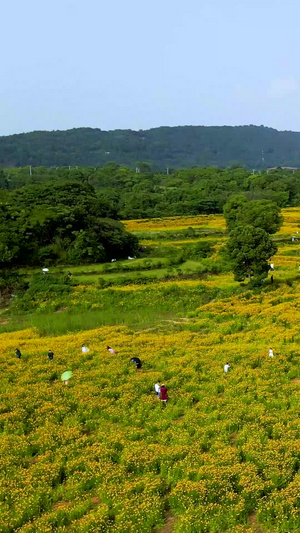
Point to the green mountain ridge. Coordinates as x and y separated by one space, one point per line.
175 147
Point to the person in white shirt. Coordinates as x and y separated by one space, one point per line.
84 349
111 350
226 367
157 389
271 352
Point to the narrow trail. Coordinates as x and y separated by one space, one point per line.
255 526
169 523
233 438
165 322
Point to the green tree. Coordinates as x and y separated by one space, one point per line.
258 213
4 183
144 167
9 247
249 250
86 249
232 210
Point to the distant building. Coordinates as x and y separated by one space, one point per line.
292 169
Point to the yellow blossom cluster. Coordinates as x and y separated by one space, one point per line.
211 221
291 222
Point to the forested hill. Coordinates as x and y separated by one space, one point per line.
183 146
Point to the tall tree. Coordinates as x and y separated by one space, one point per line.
249 250
257 213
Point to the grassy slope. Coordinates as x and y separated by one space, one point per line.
103 455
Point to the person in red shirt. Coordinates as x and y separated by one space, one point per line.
163 393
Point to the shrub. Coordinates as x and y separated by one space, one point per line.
43 287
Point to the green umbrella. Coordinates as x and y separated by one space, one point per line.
66 375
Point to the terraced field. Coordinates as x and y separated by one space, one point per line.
103 454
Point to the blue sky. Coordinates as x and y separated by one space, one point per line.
141 64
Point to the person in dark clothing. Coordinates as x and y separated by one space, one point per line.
272 279
164 394
18 353
50 355
136 361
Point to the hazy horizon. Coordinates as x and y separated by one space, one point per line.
70 64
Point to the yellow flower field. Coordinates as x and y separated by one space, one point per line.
102 454
216 222
291 221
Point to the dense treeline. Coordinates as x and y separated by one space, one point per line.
72 215
121 193
60 222
178 147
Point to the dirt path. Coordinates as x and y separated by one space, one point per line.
169 523
255 526
233 438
